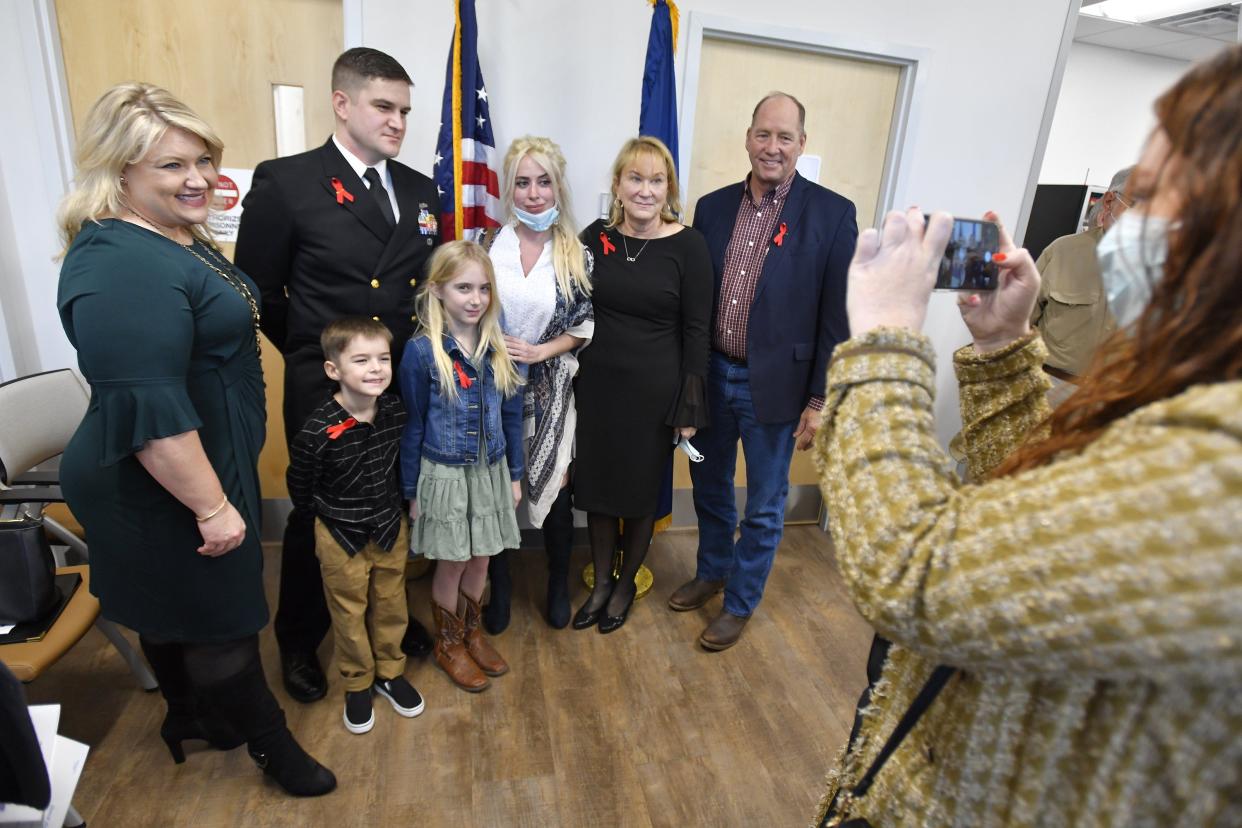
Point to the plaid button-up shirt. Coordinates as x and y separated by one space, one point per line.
753 231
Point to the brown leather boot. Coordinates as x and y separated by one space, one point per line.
480 649
450 651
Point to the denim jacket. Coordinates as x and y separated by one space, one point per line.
447 430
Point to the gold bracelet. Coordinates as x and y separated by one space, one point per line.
214 511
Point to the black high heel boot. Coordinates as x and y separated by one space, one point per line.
496 613
188 717
246 701
558 540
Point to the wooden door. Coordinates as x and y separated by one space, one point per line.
221 58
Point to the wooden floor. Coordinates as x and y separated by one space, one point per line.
637 728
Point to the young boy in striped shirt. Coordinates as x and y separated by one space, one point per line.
343 467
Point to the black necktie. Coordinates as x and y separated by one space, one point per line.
380 195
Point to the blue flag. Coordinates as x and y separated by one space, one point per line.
659 110
658 118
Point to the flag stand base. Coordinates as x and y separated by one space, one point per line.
644 580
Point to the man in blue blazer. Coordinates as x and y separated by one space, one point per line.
780 249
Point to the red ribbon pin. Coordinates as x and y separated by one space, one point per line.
779 238
462 377
337 430
609 247
342 195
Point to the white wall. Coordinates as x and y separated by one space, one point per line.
1104 113
573 71
32 180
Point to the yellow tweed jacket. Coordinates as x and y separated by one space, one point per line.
1094 606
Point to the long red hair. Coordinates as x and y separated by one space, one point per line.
1191 332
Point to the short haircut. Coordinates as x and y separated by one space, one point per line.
358 65
339 333
1118 184
801 109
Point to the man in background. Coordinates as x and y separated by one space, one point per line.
1072 310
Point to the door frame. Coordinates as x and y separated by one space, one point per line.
912 63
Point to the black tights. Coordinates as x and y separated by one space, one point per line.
225 678
604 532
202 664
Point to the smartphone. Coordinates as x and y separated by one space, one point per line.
967 261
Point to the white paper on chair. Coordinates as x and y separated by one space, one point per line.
64 759
46 718
66 768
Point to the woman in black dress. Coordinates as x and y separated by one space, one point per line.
641 382
162 471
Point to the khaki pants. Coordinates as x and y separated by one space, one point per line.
366 598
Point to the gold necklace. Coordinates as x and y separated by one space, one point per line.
235 281
227 273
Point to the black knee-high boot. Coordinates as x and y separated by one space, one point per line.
558 540
496 613
189 716
231 676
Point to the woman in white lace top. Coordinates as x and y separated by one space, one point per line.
543 278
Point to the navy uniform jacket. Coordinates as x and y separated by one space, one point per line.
334 259
317 257
798 313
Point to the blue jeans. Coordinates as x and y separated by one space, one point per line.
768 447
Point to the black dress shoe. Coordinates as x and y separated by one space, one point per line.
304 678
585 618
612 623
416 642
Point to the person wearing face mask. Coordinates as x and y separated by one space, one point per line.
543 278
1071 313
1081 594
642 385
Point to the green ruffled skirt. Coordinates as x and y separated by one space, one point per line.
464 511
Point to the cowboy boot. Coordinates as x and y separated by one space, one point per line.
450 651
477 645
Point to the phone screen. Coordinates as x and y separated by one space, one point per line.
967 261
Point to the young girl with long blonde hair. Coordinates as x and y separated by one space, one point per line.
461 452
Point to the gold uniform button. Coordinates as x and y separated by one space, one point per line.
375 283
413 318
413 282
376 318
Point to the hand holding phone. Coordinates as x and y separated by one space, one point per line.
998 317
967 263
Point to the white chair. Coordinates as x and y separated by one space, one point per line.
40 413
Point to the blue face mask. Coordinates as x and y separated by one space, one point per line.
538 222
1132 255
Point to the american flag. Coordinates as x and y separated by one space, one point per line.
465 168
